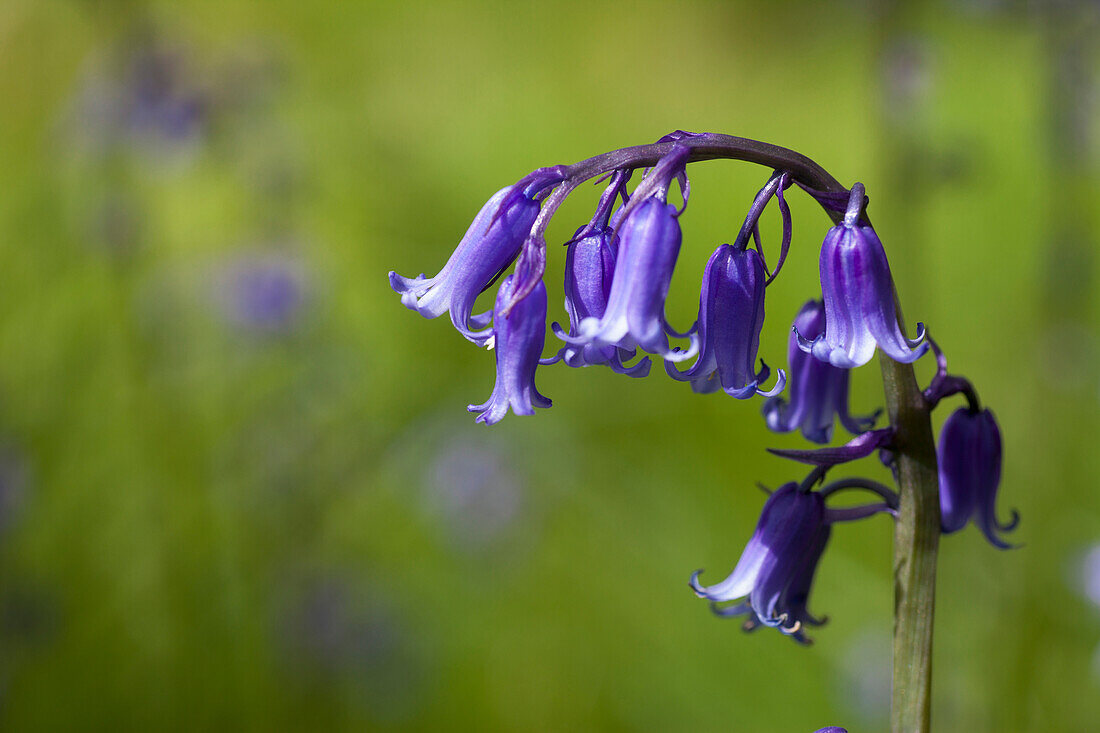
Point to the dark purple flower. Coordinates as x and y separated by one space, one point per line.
518 339
819 390
970 474
649 243
832 729
776 569
731 314
490 244
859 297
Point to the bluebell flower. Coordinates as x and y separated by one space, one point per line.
859 297
649 243
490 244
518 339
970 474
818 390
731 314
589 269
776 569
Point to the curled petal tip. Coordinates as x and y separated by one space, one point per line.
699 589
780 384
921 332
804 343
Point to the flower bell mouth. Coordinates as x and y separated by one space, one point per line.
731 316
858 291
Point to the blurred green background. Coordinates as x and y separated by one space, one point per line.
238 485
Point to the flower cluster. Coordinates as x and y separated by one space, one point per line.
618 272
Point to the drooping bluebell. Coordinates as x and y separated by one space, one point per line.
859 297
818 390
969 456
517 339
490 244
649 243
731 315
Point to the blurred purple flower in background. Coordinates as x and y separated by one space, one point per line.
337 633
264 293
145 94
472 489
1090 574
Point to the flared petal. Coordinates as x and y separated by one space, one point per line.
491 243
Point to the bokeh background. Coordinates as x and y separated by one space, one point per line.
239 489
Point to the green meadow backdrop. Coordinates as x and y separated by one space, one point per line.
239 489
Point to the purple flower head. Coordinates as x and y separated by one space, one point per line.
777 567
819 390
832 729
490 244
859 297
731 314
970 474
649 243
589 268
518 339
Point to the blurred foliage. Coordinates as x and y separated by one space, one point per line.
238 488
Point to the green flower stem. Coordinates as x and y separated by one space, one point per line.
916 541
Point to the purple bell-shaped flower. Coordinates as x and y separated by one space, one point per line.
970 474
859 297
518 340
776 569
490 244
731 315
818 390
649 243
589 269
